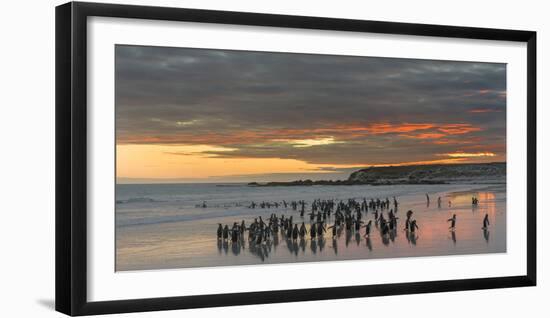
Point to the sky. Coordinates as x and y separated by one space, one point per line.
202 115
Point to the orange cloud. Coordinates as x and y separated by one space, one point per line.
458 129
425 136
484 110
425 162
385 128
468 154
336 133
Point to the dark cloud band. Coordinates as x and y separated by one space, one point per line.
258 102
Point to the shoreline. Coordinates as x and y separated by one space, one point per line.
343 183
170 230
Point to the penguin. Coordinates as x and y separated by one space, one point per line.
303 230
384 227
220 231
235 232
320 229
453 222
243 227
486 222
368 228
313 231
295 232
226 232
358 225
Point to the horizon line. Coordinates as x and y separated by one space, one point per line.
198 181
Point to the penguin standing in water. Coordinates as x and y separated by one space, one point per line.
259 237
295 232
313 231
226 232
358 225
453 222
392 221
235 233
486 222
220 231
368 228
384 227
303 230
408 220
411 235
289 232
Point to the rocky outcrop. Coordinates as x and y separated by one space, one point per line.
430 173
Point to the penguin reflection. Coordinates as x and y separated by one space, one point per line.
260 250
236 247
303 245
393 234
486 235
385 239
219 247
348 237
292 246
313 246
412 237
295 247
453 237
275 239
322 242
369 243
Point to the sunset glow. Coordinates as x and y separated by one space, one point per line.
199 115
469 155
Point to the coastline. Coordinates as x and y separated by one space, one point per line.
171 232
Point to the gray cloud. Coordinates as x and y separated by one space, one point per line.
239 99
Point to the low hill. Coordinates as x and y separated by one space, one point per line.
480 172
494 172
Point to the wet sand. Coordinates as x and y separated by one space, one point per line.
172 232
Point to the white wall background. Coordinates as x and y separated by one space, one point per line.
27 156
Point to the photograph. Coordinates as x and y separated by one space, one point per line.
234 157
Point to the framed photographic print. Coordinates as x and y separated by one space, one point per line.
208 158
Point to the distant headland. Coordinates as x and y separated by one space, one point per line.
494 172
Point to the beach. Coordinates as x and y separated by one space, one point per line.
165 226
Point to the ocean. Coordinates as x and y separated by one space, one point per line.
162 226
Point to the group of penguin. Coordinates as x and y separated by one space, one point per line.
347 214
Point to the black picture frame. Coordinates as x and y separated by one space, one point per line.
71 157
